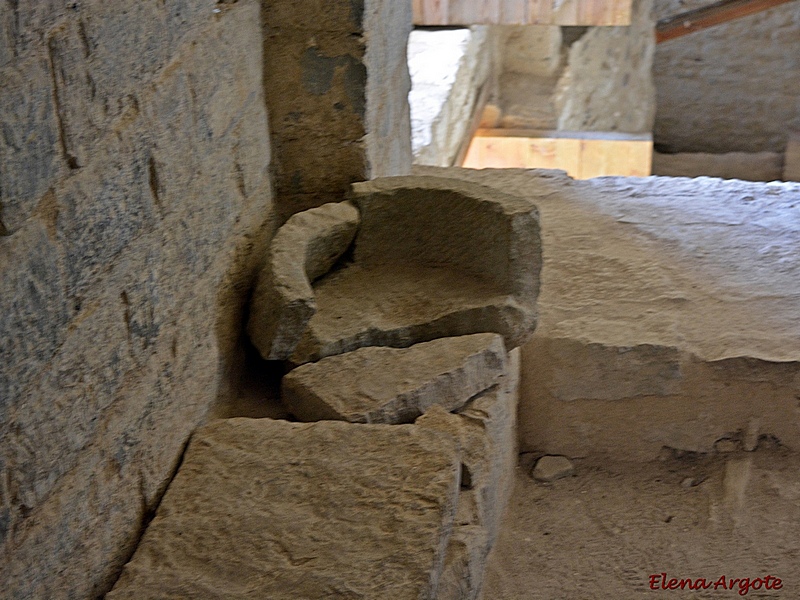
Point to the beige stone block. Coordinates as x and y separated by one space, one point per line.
395 385
302 250
270 509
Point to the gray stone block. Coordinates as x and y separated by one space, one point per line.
393 385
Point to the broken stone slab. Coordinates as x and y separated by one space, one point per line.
657 294
468 261
467 552
395 385
551 468
487 435
279 510
303 249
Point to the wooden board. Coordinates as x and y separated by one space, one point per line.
708 16
581 154
522 12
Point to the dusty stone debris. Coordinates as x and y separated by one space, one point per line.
551 468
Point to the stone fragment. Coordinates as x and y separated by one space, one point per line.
725 445
468 261
271 509
395 385
465 563
486 431
551 468
305 248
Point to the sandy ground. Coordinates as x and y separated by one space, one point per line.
604 531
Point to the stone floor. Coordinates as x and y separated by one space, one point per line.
605 531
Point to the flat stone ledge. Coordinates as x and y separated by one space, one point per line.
394 385
303 249
271 509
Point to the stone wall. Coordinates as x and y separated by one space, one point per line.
579 78
607 84
134 191
732 87
337 84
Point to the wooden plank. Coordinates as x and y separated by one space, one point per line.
581 154
532 12
540 12
708 16
514 12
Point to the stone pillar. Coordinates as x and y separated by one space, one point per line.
337 83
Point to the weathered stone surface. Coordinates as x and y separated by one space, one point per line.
791 164
668 313
467 262
579 79
134 185
338 105
271 509
487 433
395 385
748 166
303 249
607 84
551 468
732 87
464 566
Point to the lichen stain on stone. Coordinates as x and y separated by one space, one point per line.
355 84
318 72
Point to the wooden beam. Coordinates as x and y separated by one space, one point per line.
708 16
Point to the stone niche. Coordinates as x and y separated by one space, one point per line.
399 312
404 260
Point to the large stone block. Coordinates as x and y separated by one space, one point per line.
468 261
391 385
304 249
271 509
668 314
